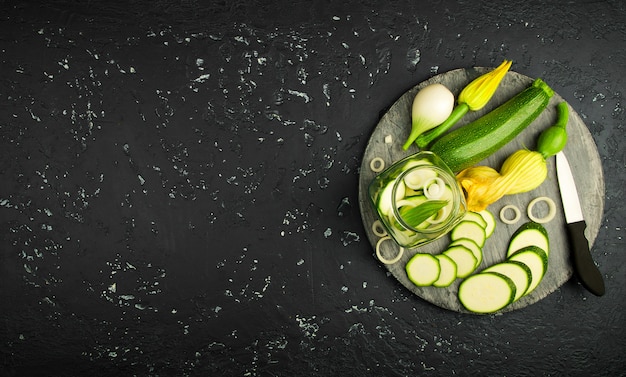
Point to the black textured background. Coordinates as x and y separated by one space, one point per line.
178 187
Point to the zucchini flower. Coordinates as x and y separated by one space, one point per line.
473 97
479 92
522 171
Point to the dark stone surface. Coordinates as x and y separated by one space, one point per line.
178 191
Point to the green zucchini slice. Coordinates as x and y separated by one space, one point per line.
472 246
471 230
529 234
475 217
486 292
490 220
423 269
537 261
463 258
518 272
447 273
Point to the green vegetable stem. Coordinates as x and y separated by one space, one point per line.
458 112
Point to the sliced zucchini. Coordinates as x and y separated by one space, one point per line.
416 179
423 269
537 261
472 246
490 220
411 201
447 273
471 230
413 163
475 217
486 292
385 200
529 234
463 258
518 272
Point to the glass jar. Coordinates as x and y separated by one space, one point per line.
417 199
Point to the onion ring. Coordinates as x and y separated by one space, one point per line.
379 229
383 259
551 210
434 188
377 164
515 211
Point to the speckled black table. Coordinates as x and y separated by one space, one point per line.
178 188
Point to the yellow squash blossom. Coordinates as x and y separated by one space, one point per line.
479 92
522 171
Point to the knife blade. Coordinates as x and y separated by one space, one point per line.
585 268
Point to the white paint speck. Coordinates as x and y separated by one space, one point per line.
300 94
202 78
328 232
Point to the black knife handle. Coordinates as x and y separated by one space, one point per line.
586 269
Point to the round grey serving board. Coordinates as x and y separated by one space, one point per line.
580 150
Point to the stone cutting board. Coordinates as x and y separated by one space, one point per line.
580 150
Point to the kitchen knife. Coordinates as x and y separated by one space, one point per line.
585 268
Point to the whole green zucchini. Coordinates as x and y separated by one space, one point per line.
467 145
